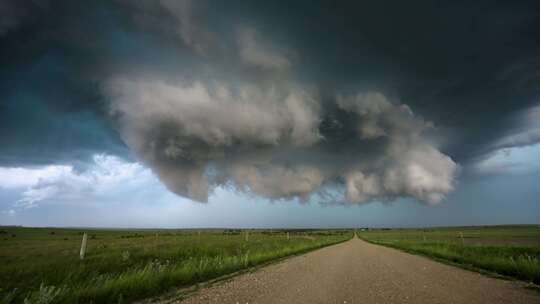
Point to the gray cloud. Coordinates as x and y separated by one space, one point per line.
524 131
259 55
409 166
198 136
218 115
262 132
180 129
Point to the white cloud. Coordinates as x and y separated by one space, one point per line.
10 212
105 176
26 177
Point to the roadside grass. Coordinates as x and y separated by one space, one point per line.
449 244
41 266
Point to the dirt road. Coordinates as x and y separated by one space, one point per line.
359 272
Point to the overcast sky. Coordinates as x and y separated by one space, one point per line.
269 113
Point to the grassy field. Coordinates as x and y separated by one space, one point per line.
42 265
512 251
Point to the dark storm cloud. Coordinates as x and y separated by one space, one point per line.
466 66
284 100
16 13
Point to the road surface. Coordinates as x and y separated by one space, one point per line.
359 272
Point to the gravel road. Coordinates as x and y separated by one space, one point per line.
359 272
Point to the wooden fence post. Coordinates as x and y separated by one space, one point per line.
83 246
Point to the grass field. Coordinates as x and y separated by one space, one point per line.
512 251
42 265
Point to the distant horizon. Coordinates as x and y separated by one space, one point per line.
269 228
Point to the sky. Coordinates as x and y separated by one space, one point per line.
182 114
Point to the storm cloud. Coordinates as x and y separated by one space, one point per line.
284 101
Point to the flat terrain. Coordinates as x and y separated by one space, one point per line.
125 265
511 250
360 272
509 235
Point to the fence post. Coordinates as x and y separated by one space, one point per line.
83 246
461 236
247 235
288 236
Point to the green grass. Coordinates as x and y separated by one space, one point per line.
512 251
42 265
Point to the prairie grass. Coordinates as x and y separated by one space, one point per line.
42 265
512 251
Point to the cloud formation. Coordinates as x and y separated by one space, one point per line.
105 176
285 102
257 55
265 133
524 131
269 142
